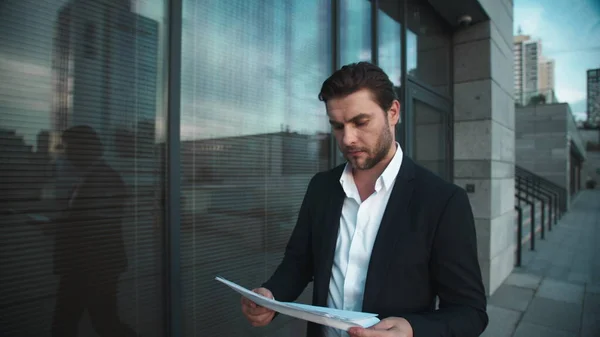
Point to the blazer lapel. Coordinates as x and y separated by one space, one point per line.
331 224
395 221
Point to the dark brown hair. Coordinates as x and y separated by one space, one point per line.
357 76
83 144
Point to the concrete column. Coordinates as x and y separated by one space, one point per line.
484 136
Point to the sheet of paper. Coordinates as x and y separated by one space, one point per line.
339 319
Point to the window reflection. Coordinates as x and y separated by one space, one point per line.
354 39
253 134
81 168
390 39
355 31
430 142
428 47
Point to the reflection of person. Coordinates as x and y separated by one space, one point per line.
89 253
380 234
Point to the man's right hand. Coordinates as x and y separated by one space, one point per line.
255 314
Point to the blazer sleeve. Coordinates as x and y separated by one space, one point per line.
296 269
456 275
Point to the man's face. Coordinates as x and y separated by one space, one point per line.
363 131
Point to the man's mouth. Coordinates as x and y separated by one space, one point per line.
354 152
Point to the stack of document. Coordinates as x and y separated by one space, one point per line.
339 319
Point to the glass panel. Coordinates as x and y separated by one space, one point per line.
355 31
355 39
390 39
430 141
389 21
81 114
428 46
253 134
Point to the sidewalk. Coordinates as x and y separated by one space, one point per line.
556 293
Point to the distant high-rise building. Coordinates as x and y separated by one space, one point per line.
546 75
593 96
534 73
104 67
527 54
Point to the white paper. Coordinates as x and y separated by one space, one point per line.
339 319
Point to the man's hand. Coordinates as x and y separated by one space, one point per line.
255 314
389 327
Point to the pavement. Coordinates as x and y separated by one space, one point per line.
556 291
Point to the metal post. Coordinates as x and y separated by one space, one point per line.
519 234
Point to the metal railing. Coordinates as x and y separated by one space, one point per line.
532 189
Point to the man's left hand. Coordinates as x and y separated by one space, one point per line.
388 327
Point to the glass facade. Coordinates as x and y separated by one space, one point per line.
118 210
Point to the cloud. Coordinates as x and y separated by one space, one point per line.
22 68
529 19
570 95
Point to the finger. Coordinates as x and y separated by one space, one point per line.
384 324
362 332
256 310
261 320
264 292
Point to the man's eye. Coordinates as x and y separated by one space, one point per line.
338 127
361 123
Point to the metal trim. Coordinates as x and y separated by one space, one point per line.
173 225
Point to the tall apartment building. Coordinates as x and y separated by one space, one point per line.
593 96
534 74
546 75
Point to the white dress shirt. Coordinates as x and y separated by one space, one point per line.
359 224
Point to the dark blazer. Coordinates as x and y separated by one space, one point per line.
89 238
426 247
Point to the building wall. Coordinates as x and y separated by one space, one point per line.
593 95
546 74
484 134
249 71
541 141
591 166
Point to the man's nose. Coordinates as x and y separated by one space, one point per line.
349 136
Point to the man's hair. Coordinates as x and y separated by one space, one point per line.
83 142
357 76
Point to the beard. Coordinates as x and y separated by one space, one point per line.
374 155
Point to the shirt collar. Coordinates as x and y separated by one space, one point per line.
386 179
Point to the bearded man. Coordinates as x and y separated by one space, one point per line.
380 233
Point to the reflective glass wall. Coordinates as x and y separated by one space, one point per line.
253 133
82 167
95 239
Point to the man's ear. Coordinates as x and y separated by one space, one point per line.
394 113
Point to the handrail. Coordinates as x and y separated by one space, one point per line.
536 182
540 195
532 232
519 233
529 189
545 180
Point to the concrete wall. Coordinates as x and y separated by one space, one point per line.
484 136
546 135
541 141
592 162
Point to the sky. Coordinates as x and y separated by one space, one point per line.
570 34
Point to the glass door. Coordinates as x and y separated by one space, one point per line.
428 130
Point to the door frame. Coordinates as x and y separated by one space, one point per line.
414 91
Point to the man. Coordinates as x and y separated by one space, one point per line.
380 234
89 253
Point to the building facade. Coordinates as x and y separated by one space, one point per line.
546 74
208 116
534 73
549 143
593 96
